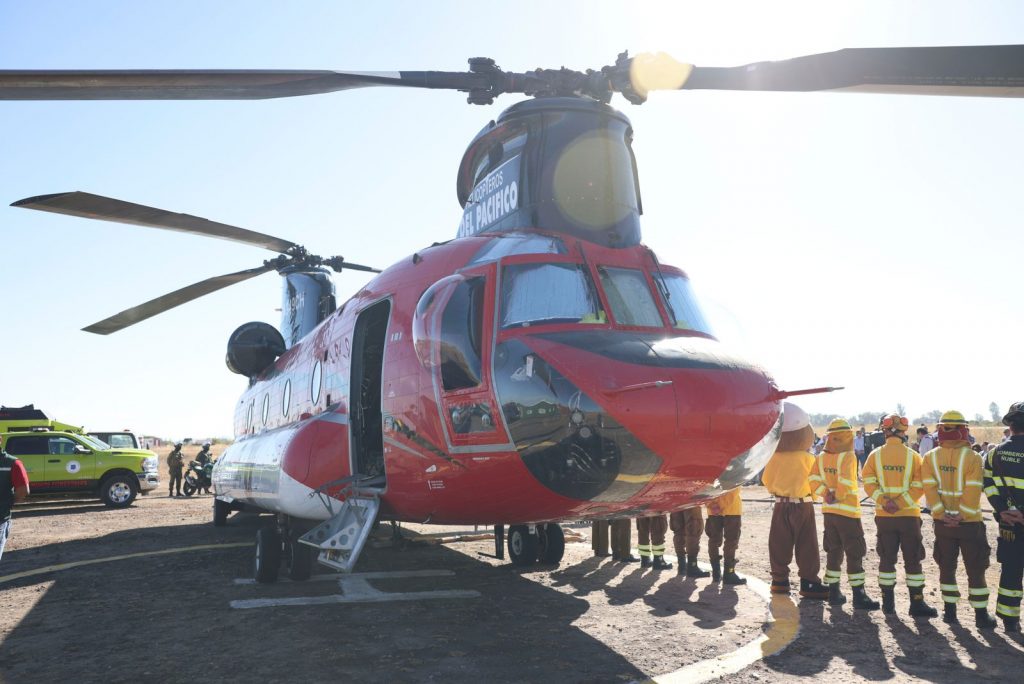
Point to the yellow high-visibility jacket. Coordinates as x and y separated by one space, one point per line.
952 479
787 474
838 472
729 503
894 471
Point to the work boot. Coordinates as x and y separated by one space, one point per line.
730 576
918 608
889 600
660 564
1011 625
813 590
861 600
982 620
716 570
780 587
949 614
835 596
625 559
645 561
692 570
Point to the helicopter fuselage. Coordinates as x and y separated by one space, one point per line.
506 378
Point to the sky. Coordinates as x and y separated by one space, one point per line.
864 241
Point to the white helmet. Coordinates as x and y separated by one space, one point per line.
793 417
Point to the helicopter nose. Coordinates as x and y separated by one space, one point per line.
684 417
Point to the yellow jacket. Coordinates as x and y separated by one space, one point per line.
787 474
837 472
894 471
952 479
728 504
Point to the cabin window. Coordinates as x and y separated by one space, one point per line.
462 335
533 294
27 446
682 304
248 417
315 381
266 408
510 244
286 399
629 297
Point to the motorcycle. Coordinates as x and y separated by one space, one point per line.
197 478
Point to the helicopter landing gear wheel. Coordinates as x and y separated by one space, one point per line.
268 555
300 560
551 543
522 545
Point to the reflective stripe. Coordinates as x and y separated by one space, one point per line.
886 579
915 580
968 509
870 480
910 502
938 508
855 575
973 483
877 494
949 587
981 591
929 481
1016 482
946 598
841 507
1012 593
983 603
846 482
991 491
1008 611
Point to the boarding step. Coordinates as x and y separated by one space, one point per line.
341 538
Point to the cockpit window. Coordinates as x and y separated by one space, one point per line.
548 293
683 305
629 297
461 336
510 244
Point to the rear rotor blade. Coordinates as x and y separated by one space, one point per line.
982 70
90 206
213 84
169 301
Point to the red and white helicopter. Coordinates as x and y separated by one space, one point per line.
542 366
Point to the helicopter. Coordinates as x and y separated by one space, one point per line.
542 366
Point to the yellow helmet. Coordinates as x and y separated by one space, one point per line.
839 425
952 418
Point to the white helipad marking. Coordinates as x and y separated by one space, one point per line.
355 588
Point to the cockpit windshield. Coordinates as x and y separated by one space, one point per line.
683 305
629 297
548 293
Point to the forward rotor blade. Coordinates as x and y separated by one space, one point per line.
102 208
213 84
982 70
169 301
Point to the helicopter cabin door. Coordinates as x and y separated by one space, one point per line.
456 316
366 420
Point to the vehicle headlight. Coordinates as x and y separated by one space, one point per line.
149 464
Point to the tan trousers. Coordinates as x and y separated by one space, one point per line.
621 533
687 529
727 526
844 536
793 529
896 534
970 540
650 534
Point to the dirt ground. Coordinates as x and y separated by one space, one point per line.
170 617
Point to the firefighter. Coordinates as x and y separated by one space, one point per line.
724 521
952 478
1004 486
650 532
892 477
687 529
834 479
793 527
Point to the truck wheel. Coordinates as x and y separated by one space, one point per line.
221 511
118 491
522 546
552 543
268 555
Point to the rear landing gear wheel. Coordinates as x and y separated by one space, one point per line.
552 543
268 555
300 561
221 511
522 546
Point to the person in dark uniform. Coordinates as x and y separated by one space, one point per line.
14 489
175 464
205 458
1004 486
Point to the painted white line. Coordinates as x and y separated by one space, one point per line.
397 574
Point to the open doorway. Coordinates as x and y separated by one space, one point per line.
366 417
